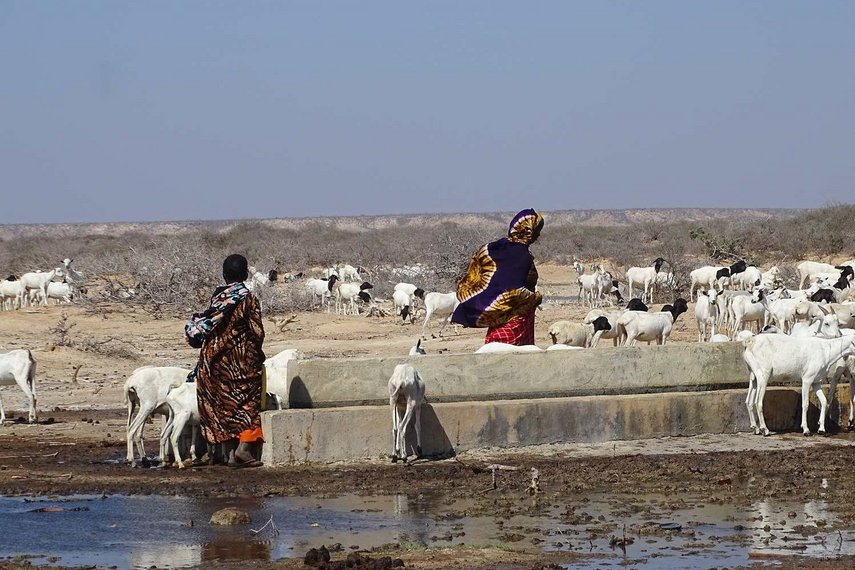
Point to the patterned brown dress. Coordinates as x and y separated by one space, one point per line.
229 384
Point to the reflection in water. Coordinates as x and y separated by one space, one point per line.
402 505
235 549
781 528
141 532
166 556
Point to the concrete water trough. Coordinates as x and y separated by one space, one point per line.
339 407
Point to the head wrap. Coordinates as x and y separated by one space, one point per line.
525 227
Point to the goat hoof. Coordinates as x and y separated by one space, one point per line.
404 460
850 427
766 433
824 434
807 434
394 459
757 431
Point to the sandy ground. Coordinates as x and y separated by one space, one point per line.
161 343
78 446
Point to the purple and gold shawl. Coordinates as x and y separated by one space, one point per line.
499 283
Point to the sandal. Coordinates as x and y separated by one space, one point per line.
240 464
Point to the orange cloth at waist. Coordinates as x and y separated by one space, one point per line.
251 435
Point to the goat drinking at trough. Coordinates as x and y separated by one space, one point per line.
183 409
406 396
276 373
145 392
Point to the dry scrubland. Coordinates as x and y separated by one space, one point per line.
173 266
85 352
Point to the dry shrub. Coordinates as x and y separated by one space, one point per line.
175 274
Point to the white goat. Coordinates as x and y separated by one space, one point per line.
725 307
771 277
38 281
11 294
350 273
403 304
776 356
75 279
276 370
782 312
748 279
256 279
706 313
577 334
182 408
407 390
593 287
645 277
823 327
612 333
61 292
147 388
321 289
407 288
439 304
19 367
810 270
845 313
651 326
347 295
708 277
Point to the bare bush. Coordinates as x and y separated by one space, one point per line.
176 274
110 346
61 331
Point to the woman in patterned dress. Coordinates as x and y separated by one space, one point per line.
498 290
229 373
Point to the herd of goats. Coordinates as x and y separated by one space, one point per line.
805 334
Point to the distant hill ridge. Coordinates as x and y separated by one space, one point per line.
368 223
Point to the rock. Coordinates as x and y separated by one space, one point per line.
230 516
317 556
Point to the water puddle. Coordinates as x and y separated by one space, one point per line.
643 532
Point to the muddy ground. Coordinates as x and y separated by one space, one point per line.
82 452
79 447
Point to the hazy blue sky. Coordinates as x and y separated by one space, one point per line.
182 110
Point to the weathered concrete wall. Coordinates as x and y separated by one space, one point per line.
322 383
333 434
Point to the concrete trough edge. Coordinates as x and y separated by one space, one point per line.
364 432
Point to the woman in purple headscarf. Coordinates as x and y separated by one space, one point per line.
498 290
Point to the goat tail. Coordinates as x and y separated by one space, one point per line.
129 397
31 374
